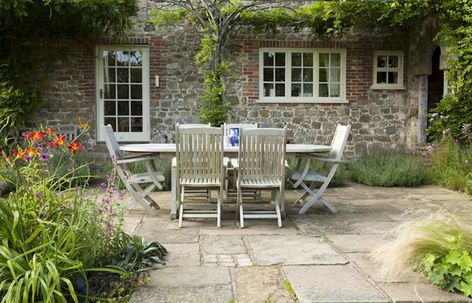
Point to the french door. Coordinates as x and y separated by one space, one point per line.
123 91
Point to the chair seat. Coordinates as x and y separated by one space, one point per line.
260 182
310 177
146 178
200 182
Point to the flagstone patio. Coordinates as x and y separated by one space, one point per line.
318 257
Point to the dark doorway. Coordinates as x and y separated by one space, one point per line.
435 81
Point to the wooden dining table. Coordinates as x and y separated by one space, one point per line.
168 150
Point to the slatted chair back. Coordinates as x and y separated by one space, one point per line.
200 152
192 125
112 143
262 153
338 144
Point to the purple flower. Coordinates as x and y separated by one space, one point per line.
43 157
103 185
430 149
3 185
111 178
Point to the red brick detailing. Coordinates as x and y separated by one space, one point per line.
359 60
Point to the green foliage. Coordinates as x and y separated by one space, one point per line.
451 165
164 18
439 246
389 170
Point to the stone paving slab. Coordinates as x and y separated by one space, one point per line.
170 236
375 227
289 250
317 225
331 283
260 284
195 276
419 292
200 294
372 270
218 245
187 254
357 243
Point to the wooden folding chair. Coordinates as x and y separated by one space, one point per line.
261 165
132 181
302 176
199 165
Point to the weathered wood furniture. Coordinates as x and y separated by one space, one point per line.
261 165
199 165
167 150
303 176
132 181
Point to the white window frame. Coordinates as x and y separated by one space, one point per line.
288 76
398 69
143 136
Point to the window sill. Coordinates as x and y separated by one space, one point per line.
314 101
386 87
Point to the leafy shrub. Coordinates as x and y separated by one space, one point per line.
389 170
451 165
438 246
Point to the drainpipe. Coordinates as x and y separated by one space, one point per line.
422 108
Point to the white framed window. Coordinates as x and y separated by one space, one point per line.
302 75
388 70
123 91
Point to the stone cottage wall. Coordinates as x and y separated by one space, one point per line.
380 119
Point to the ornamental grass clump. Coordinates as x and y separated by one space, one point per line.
389 170
438 246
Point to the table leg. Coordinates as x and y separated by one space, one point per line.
173 199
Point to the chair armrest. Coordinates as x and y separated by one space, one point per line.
135 159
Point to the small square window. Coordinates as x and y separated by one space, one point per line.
388 70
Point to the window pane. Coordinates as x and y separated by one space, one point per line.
296 59
110 108
136 92
393 61
136 108
136 75
111 57
308 75
335 90
392 77
307 90
122 58
137 124
123 75
323 75
296 90
123 91
381 77
335 60
135 58
279 59
110 76
268 74
382 61
123 124
268 59
112 121
335 75
297 74
110 91
123 108
280 74
307 59
280 90
324 60
268 90
323 90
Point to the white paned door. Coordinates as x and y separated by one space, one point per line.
123 92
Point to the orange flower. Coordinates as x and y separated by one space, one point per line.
51 132
35 136
59 141
83 124
19 154
31 152
75 146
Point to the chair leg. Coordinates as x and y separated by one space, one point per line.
313 199
218 210
241 216
328 205
279 216
181 214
